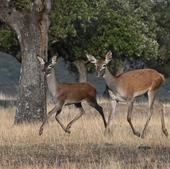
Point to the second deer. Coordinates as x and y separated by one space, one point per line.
66 94
127 86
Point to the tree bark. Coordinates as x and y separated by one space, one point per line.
32 31
82 72
106 94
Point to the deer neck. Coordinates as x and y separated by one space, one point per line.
110 80
52 83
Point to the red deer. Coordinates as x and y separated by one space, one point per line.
66 94
127 86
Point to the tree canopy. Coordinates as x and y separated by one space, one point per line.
131 29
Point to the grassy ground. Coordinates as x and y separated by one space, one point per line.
86 147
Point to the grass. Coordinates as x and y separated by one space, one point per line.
86 147
6 97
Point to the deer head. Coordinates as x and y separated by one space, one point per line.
49 65
101 63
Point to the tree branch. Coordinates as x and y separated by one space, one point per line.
9 14
42 6
40 11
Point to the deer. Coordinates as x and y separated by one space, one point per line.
68 94
127 86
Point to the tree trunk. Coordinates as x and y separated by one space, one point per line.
31 104
120 67
106 94
32 31
82 72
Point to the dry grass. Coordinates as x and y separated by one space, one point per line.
6 97
86 147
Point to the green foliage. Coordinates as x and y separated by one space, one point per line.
130 28
123 35
71 17
7 37
22 5
125 27
162 14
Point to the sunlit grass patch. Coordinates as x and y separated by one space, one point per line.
86 146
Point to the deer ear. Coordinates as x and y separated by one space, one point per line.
42 62
108 57
91 58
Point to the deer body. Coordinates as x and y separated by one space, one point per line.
78 92
69 93
127 86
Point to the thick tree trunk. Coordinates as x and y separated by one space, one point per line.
106 93
31 104
82 72
32 31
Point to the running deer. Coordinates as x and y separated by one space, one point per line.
127 86
67 94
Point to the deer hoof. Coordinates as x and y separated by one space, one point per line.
165 132
107 131
137 134
40 131
142 136
68 129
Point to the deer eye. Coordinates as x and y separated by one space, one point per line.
103 66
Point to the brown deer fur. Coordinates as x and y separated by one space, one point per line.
66 94
127 86
75 92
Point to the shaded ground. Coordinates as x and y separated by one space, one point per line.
100 155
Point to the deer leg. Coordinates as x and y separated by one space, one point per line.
151 97
59 122
164 130
111 115
129 116
95 105
79 106
58 111
46 119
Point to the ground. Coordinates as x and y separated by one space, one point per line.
86 147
